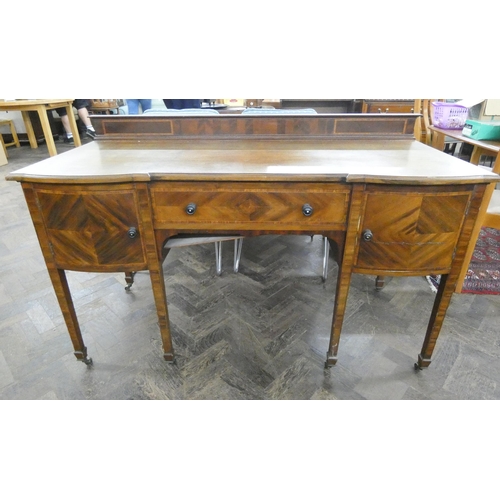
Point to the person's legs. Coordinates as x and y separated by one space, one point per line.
191 103
171 103
145 104
65 122
67 129
133 106
84 116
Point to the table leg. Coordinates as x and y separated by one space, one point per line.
441 303
476 155
474 159
346 264
73 125
57 276
29 129
448 282
154 251
160 296
341 293
437 141
60 284
47 131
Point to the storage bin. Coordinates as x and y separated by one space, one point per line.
449 115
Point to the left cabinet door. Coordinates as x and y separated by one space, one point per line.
92 229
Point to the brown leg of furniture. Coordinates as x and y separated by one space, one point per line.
57 276
342 291
441 303
160 296
129 279
346 263
448 282
438 141
73 125
29 129
474 237
154 251
47 131
475 157
60 284
379 283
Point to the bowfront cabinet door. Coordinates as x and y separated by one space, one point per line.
410 230
92 229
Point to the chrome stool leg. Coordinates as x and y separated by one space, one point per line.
238 244
218 257
326 254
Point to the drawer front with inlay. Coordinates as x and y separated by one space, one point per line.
92 229
410 231
248 205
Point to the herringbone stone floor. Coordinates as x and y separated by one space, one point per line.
259 334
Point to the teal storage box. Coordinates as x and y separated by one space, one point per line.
482 130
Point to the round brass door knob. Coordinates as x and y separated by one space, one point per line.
367 235
307 210
191 209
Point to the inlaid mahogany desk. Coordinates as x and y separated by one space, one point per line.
488 148
388 204
41 106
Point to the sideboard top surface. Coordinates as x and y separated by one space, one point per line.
239 160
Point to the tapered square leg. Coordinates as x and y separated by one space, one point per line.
331 360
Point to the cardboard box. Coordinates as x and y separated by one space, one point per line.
490 110
482 130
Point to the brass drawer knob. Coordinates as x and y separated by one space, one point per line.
191 209
367 235
307 210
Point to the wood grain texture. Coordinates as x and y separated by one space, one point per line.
412 230
259 334
89 230
419 222
395 126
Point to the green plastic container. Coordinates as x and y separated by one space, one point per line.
482 130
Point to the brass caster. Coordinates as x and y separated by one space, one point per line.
88 361
129 278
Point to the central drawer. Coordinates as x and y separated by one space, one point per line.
245 205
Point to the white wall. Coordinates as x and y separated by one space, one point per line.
17 117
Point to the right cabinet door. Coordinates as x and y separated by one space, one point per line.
410 230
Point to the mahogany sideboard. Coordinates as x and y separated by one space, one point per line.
388 204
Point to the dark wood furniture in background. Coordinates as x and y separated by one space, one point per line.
324 105
104 106
388 106
389 204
